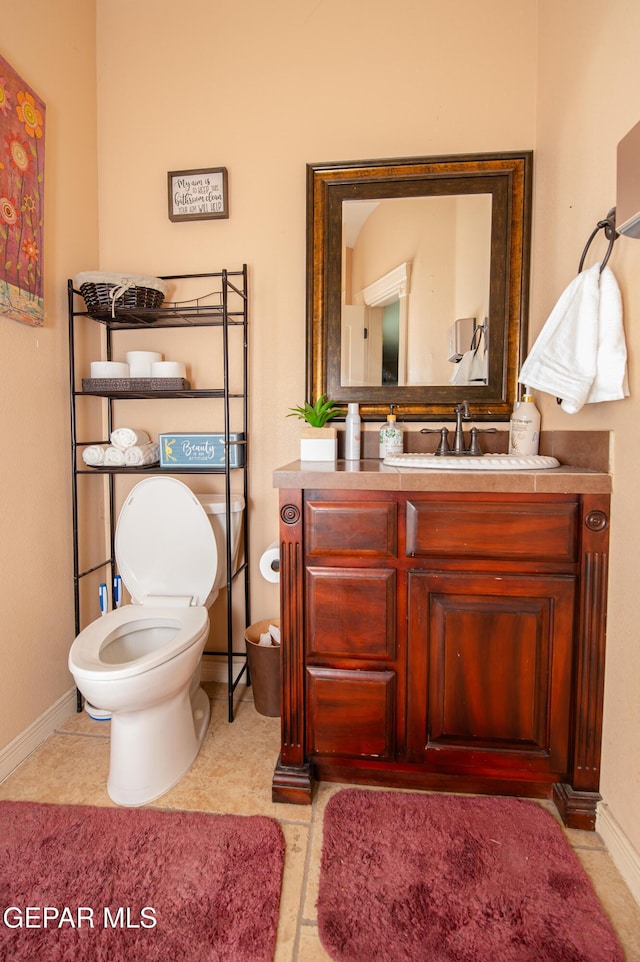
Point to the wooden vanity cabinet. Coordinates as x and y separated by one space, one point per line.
446 641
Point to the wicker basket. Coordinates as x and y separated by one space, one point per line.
118 296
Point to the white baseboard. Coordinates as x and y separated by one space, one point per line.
32 737
215 669
625 858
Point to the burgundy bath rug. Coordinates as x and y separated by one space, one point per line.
441 878
86 884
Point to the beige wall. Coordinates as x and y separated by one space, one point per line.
587 101
52 46
263 89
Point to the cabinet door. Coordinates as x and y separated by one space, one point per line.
490 662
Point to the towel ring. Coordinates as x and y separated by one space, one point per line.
609 227
476 339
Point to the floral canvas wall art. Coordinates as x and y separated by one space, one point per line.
22 121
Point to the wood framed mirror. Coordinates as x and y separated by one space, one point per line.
418 283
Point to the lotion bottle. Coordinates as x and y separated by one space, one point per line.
352 434
391 436
524 429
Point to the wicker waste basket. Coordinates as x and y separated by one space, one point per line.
264 666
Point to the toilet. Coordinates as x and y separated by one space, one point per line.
141 663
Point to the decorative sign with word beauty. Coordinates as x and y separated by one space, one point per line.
200 450
198 194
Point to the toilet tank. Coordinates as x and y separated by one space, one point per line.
214 505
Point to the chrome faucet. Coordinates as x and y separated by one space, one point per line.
461 411
458 449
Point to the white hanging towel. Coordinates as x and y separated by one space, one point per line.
611 381
471 369
580 354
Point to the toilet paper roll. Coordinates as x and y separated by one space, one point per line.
100 369
140 362
270 563
168 369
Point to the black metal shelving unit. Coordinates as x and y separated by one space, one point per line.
226 308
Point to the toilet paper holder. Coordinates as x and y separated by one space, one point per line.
270 563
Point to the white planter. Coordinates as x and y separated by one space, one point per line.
318 444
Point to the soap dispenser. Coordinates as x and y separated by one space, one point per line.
391 436
524 429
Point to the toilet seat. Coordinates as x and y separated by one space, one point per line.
168 568
185 627
164 544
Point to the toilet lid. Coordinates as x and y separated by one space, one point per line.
165 546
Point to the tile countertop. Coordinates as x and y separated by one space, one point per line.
373 475
584 469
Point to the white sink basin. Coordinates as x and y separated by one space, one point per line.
484 462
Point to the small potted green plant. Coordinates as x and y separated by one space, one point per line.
318 439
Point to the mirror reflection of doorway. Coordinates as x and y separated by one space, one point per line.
354 352
390 342
446 243
362 332
374 334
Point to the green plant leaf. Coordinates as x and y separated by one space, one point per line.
317 414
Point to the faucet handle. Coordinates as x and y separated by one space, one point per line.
474 445
443 447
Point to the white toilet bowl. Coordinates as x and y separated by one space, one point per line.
141 662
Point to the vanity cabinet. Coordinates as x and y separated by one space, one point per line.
443 640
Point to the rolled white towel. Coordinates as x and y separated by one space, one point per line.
142 454
93 454
113 456
124 438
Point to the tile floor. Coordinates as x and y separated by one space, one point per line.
233 774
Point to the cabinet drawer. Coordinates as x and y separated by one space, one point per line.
339 528
522 530
351 613
351 713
